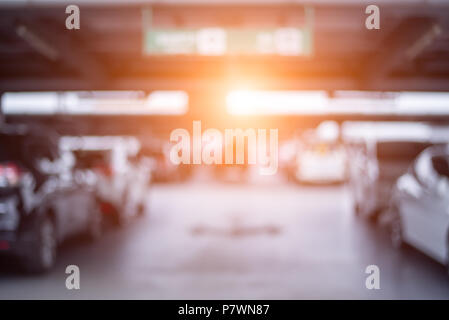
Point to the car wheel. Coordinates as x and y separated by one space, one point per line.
373 216
43 255
396 234
124 215
367 214
95 227
356 209
141 210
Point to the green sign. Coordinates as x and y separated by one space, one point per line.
217 41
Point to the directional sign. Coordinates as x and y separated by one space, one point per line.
287 41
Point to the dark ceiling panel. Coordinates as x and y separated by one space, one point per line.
106 52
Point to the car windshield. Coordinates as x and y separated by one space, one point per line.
441 165
90 159
400 150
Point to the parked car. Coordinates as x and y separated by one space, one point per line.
420 205
41 204
374 167
320 156
122 177
321 163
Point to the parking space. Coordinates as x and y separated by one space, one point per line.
267 240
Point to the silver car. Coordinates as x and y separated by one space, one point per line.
420 215
374 169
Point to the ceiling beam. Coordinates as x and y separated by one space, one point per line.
403 45
58 48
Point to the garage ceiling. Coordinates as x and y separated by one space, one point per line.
409 52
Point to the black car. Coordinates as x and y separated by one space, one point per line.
41 203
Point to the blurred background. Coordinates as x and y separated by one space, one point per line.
363 163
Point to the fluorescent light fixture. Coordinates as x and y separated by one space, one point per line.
97 102
387 131
167 102
156 103
30 103
423 102
242 102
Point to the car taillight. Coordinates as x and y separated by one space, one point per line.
10 175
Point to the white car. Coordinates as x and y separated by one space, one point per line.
321 156
374 168
321 163
420 215
122 180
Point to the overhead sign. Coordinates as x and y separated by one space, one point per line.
286 41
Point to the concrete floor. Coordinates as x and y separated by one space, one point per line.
266 240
